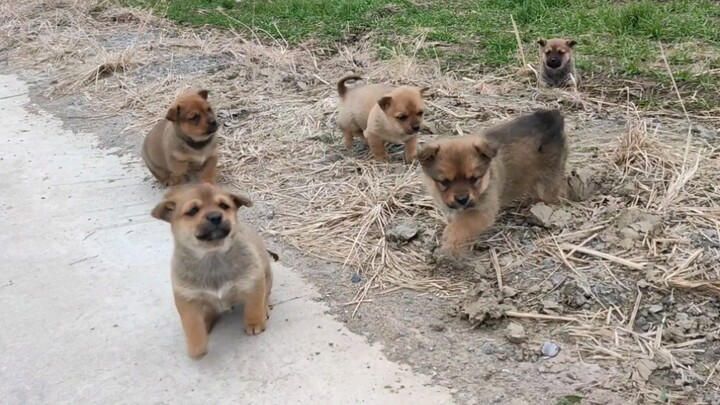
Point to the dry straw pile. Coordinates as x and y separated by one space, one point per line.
647 232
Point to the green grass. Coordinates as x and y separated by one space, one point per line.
615 38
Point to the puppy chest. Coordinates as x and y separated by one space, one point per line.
222 298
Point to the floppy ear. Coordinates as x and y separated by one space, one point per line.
427 155
240 201
385 102
542 42
571 43
173 114
164 210
485 150
203 94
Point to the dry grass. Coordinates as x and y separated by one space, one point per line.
280 142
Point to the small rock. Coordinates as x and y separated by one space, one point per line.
550 305
355 278
557 279
545 216
627 243
581 185
270 215
437 327
550 349
655 308
487 348
402 232
643 369
630 234
515 333
302 86
509 291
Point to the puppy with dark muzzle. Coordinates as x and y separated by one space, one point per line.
380 114
184 140
472 177
558 65
217 262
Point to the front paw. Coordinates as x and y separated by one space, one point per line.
256 328
174 181
197 352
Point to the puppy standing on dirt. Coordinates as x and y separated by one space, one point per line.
217 262
472 177
184 140
378 114
557 64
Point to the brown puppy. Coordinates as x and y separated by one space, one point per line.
472 177
184 140
379 114
558 66
217 262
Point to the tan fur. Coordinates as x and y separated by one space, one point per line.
379 114
473 177
166 150
557 64
210 272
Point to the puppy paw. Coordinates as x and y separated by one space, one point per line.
197 352
255 328
174 181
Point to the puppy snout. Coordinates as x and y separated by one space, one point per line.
553 62
212 125
416 127
214 218
462 200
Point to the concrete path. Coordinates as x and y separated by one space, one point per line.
86 313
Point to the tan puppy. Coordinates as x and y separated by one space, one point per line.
184 140
557 65
217 262
379 114
472 177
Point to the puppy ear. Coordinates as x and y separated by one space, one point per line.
485 150
571 43
203 94
542 42
173 114
427 155
385 102
241 201
164 210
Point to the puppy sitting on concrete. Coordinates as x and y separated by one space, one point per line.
379 114
558 66
472 177
184 140
217 262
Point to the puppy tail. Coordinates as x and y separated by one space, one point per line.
341 84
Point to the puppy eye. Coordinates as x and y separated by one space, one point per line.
193 117
402 117
192 212
445 183
561 51
224 206
473 179
420 113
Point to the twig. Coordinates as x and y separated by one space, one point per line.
496 264
519 42
453 113
592 252
542 317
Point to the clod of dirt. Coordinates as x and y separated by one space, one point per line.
508 292
635 224
551 306
402 232
355 278
581 185
642 370
550 349
548 217
487 348
515 333
482 303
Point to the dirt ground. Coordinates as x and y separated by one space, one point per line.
623 280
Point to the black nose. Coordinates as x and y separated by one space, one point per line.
462 199
416 127
214 218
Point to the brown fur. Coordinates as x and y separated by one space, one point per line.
557 63
217 262
378 114
472 177
168 149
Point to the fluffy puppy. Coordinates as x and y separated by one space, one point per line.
557 65
217 262
472 177
184 140
378 114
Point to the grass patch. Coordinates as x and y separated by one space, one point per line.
616 39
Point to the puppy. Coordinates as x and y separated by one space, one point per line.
379 114
217 262
558 66
184 140
472 177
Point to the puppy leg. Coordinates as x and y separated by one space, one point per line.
348 137
462 230
209 170
377 147
411 149
256 310
552 188
193 322
179 166
210 319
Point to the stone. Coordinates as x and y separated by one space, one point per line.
402 232
515 333
550 349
